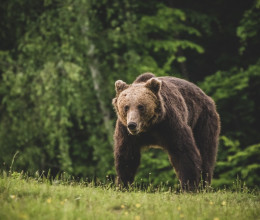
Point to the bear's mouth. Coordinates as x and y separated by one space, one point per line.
133 132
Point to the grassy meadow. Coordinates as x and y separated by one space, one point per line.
23 197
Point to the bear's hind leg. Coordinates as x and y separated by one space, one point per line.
186 170
206 133
185 158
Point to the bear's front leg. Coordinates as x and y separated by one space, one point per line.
126 167
185 158
127 155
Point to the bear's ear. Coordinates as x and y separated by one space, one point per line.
120 86
154 85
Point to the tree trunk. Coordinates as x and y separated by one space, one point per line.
96 77
183 65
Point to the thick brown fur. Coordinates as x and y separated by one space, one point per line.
173 114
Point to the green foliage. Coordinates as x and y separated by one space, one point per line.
147 42
155 169
49 109
235 92
237 101
234 163
49 115
248 30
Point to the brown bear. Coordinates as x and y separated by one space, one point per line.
169 113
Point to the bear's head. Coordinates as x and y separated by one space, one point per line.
138 106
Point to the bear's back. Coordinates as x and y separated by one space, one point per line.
196 100
194 97
187 89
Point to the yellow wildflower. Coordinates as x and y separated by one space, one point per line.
137 217
12 196
126 213
122 206
63 202
49 200
179 208
23 216
216 218
224 203
211 203
181 216
138 205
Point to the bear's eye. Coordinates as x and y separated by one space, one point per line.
126 108
140 108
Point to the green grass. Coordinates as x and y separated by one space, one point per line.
22 197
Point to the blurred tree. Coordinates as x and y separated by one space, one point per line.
49 96
235 94
217 22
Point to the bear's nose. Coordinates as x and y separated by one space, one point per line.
132 125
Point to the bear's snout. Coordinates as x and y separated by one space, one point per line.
133 121
132 126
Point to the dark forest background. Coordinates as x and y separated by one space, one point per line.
59 61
